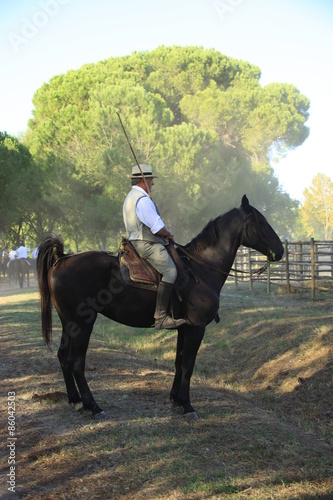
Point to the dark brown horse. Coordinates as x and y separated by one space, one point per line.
4 266
22 268
82 285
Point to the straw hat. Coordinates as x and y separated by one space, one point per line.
146 170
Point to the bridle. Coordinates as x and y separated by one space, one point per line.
246 219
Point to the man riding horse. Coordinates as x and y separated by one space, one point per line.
150 236
22 251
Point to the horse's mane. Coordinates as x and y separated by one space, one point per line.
210 234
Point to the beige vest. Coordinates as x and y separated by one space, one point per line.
136 230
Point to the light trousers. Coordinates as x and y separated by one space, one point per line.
158 256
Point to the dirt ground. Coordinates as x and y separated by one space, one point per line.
63 454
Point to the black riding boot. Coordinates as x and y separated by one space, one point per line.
162 319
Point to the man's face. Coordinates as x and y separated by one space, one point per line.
150 183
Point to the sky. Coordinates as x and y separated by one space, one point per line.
290 40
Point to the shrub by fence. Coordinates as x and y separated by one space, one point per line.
305 264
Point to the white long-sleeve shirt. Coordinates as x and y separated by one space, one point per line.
147 213
22 252
12 255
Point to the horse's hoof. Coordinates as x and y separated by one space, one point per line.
100 416
192 415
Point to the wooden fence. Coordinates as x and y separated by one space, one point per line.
305 265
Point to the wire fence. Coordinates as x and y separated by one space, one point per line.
305 265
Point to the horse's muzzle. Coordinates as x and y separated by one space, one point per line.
275 256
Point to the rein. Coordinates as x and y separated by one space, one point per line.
245 216
202 263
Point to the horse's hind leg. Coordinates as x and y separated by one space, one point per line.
21 278
63 354
79 349
72 357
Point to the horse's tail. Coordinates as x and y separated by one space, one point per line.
50 249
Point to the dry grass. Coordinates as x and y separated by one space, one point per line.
279 353
262 433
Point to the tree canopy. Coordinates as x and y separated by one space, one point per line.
19 187
317 209
200 118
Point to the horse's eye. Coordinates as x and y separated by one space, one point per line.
261 220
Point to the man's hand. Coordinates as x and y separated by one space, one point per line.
165 233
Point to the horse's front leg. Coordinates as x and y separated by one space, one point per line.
178 365
189 341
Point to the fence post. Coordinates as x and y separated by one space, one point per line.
313 288
316 254
287 265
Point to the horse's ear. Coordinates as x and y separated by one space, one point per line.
245 203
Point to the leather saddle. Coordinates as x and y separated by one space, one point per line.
137 271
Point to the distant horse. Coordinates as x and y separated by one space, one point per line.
82 285
22 268
4 266
10 270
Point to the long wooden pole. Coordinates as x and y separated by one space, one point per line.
138 164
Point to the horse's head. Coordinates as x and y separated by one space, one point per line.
258 234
